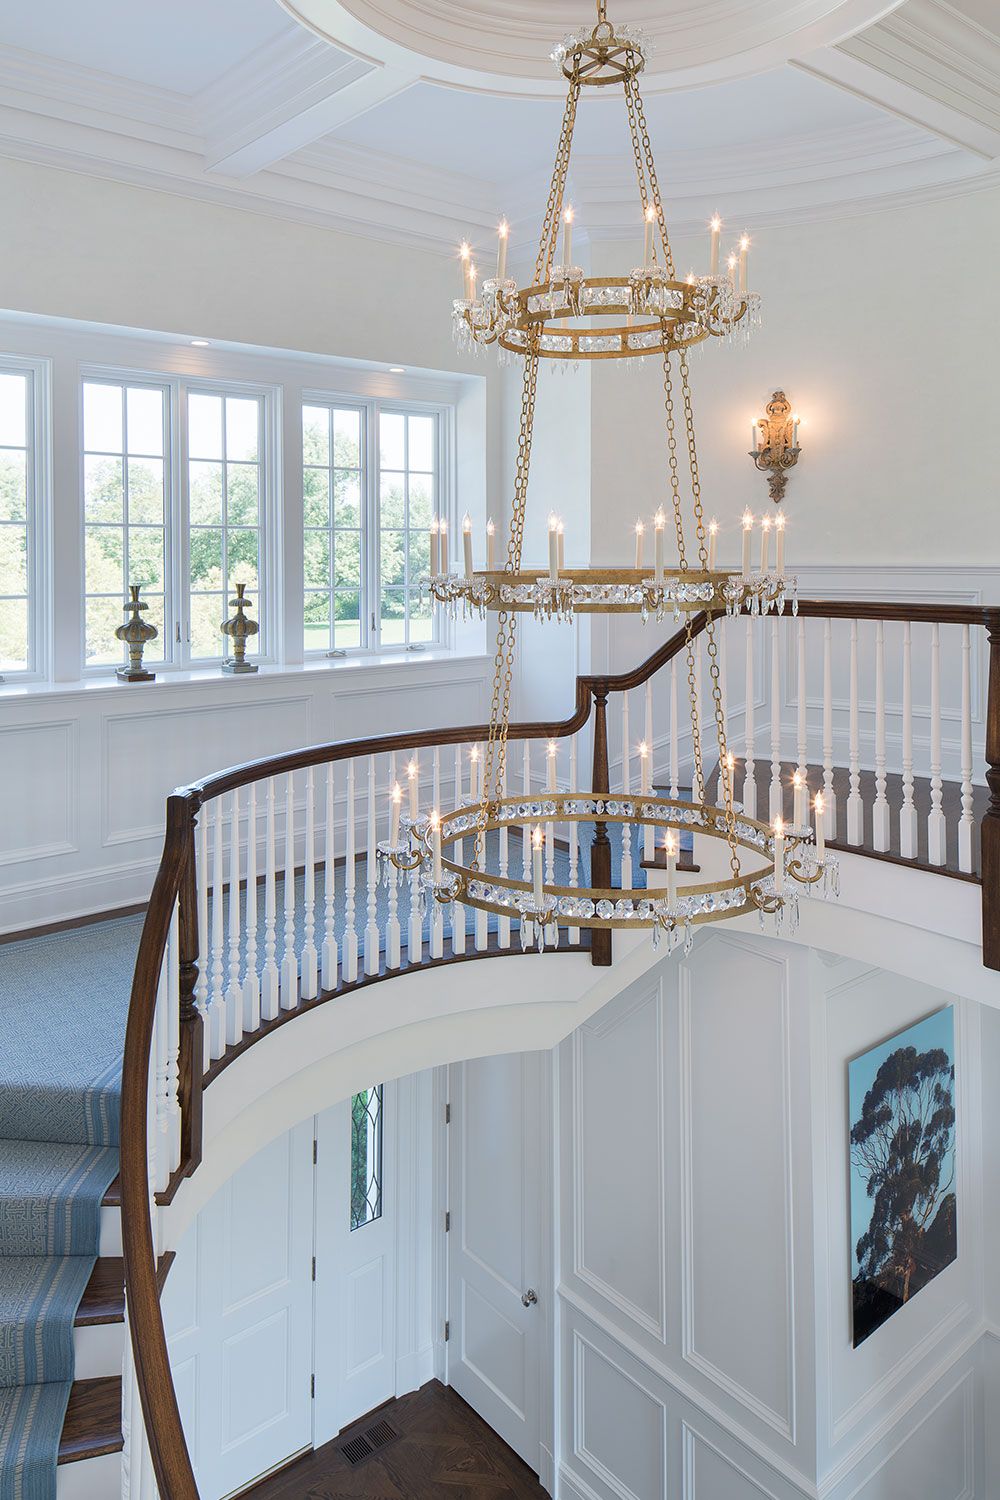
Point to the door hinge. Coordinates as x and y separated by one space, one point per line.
314 1268
447 1330
315 1152
447 1220
447 1114
312 1386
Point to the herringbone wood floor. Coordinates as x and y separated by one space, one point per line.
444 1452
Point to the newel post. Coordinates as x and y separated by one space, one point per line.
600 850
990 832
191 1057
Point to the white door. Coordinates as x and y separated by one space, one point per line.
355 1259
238 1316
497 1295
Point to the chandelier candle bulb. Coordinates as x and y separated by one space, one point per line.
713 539
568 237
435 547
443 545
779 538
754 434
436 846
795 429
670 848
473 277
470 566
553 548
465 258
640 533
536 865
744 255
659 539
503 234
474 775
491 545
747 534
716 228
561 540
645 769
800 792
779 856
396 805
731 267
414 780
820 808
551 752
647 249
765 543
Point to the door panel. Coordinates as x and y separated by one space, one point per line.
496 1149
355 1276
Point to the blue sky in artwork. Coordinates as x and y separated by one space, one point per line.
937 1030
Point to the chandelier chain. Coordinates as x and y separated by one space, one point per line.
675 479
557 188
503 662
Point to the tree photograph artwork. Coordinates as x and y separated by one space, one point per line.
904 1229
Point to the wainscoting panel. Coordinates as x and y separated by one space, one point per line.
619 1426
38 790
709 1474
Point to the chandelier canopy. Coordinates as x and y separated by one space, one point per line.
566 315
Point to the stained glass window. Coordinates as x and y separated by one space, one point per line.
366 1157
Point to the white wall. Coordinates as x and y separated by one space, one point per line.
703 1272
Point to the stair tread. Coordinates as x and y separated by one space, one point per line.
113 1197
103 1299
93 1422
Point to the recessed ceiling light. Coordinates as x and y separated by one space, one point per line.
397 369
201 343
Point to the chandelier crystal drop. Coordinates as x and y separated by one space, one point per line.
566 316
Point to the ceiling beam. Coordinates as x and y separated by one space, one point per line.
926 63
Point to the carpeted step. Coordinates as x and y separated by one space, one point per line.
31 1421
50 1197
39 1297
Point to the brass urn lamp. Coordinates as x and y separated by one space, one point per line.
240 629
136 633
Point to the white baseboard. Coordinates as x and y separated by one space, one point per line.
414 1369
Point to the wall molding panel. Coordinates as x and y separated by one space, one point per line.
40 827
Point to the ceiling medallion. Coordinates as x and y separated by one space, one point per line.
565 315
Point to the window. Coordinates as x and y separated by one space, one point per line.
20 563
224 511
366 1157
371 483
333 479
125 512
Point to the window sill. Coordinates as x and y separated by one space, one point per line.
214 678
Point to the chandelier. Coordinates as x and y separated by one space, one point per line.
565 315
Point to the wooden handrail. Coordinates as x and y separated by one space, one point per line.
175 882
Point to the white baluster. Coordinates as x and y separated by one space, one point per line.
573 933
234 994
415 933
880 808
217 1003
648 831
437 910
457 909
373 937
481 919
776 800
855 811
251 980
309 984
907 813
749 776
331 956
675 735
503 923
269 978
349 954
204 934
802 737
289 958
936 833
393 933
829 795
965 822
627 790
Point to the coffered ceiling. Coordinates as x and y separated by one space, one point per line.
425 119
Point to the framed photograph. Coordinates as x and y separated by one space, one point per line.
904 1223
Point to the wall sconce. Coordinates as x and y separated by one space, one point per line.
776 444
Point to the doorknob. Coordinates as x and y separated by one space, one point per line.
528 1298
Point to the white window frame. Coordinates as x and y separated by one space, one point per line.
38 512
177 598
371 407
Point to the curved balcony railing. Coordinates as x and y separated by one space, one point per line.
267 903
